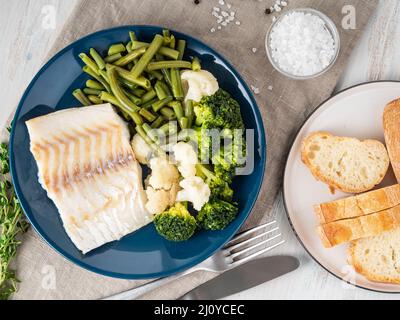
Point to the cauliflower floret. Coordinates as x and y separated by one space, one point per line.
159 200
141 149
163 173
186 158
195 190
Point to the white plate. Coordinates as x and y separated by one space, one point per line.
355 112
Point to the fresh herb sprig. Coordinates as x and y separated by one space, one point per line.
12 225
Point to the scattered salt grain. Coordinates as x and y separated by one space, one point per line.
229 6
254 50
301 44
270 88
216 9
273 19
221 2
224 24
224 14
219 27
212 29
237 23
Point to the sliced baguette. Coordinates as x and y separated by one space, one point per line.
346 164
338 232
359 205
377 258
391 123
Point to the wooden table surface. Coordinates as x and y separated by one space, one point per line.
27 35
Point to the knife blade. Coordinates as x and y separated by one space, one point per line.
244 277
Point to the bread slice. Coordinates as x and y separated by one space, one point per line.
338 232
391 123
347 164
359 205
377 258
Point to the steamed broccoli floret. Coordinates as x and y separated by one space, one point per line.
218 111
218 186
217 215
176 223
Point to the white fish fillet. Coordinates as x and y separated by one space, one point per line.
88 168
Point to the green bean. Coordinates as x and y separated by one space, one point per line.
189 112
161 93
104 75
81 97
123 61
90 72
128 106
148 104
167 64
93 84
113 58
181 48
177 107
196 66
139 92
141 65
151 133
158 122
95 99
89 62
169 128
166 88
116 48
156 74
148 96
132 97
168 113
166 33
148 115
146 138
94 92
132 35
108 97
184 122
129 47
139 44
97 58
172 42
127 84
161 103
165 72
140 81
176 84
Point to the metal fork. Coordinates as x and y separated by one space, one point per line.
253 242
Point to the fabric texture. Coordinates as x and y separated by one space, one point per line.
284 104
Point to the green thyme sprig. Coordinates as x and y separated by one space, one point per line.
12 225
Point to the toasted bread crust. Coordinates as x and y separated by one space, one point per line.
391 120
338 232
316 172
359 268
359 205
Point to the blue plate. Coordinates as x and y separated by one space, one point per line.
142 254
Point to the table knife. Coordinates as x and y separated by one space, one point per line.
244 277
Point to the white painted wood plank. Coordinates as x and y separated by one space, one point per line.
24 44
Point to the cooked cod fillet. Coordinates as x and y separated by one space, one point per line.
87 166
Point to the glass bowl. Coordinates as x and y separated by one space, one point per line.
329 24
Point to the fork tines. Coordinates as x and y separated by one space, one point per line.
253 243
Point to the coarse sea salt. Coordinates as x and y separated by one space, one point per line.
301 44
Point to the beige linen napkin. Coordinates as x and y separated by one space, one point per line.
47 275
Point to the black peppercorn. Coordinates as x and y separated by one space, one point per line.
268 11
196 1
